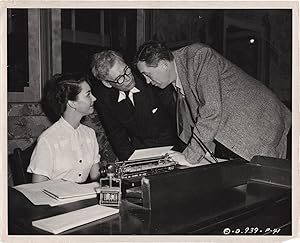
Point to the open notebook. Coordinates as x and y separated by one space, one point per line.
36 194
68 189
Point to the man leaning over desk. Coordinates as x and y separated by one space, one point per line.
216 101
134 114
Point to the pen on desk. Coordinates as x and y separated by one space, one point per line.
205 148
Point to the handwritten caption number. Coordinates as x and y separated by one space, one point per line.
250 230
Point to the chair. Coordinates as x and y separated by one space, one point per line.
19 162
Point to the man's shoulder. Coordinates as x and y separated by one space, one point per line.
99 88
138 78
192 49
104 94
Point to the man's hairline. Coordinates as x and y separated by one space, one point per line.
117 59
154 66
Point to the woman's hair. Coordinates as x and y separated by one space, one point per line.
152 52
103 61
60 89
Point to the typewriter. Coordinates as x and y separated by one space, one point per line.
129 174
144 167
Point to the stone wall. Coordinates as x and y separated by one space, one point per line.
25 122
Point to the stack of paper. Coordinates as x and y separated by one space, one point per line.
68 189
36 194
63 222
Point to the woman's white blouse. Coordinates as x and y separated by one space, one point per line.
63 152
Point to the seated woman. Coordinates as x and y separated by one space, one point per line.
68 149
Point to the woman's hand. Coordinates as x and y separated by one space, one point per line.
39 178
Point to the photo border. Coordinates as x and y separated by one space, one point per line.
294 5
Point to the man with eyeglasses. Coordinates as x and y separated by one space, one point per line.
134 114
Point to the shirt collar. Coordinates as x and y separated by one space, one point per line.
177 85
122 94
68 125
74 134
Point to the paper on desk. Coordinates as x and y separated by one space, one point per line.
68 189
34 193
63 222
207 159
150 152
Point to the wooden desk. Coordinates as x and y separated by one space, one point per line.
253 204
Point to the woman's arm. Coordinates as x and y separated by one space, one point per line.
39 178
41 161
95 172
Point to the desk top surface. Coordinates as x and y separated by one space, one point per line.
263 204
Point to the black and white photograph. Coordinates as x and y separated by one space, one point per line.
149 123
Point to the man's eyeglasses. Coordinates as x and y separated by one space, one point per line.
121 78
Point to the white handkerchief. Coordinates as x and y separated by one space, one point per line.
154 110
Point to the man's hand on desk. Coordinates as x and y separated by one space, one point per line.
181 160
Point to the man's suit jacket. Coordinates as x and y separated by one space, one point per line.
151 123
230 106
